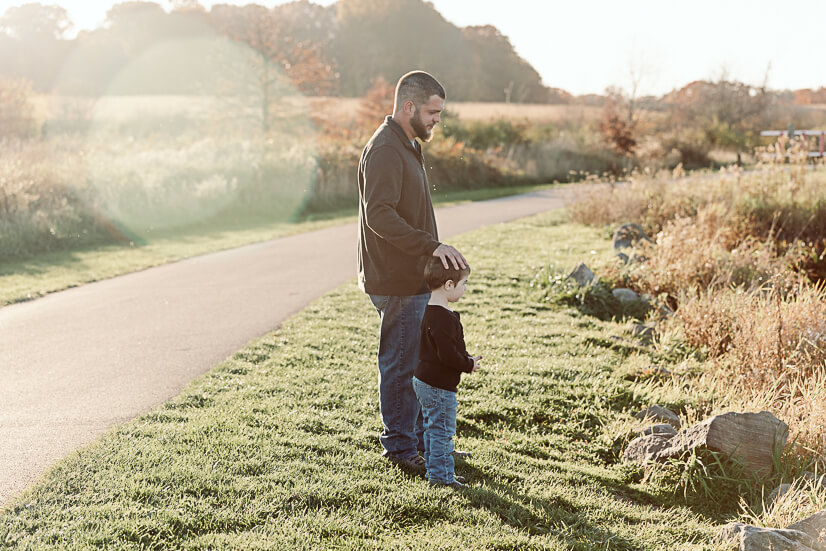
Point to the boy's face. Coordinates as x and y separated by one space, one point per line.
455 292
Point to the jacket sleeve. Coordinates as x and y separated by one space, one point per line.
383 177
450 346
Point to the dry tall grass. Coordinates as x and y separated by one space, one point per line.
741 257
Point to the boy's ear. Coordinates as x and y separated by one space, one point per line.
450 284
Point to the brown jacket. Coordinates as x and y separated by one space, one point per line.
397 226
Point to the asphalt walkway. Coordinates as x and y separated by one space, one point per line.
76 363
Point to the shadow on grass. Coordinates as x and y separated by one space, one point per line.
558 515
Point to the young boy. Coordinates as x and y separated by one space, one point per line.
442 359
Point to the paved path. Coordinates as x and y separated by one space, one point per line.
75 363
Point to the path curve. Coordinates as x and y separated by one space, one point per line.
74 364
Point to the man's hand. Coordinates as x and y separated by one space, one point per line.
446 252
477 362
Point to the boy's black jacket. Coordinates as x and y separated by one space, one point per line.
442 353
397 226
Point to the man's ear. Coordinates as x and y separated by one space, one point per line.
409 108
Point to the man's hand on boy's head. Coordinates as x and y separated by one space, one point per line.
446 252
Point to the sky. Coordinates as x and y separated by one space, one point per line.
585 46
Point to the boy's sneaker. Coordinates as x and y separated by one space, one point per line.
456 485
415 463
461 455
460 479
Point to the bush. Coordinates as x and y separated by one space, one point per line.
17 113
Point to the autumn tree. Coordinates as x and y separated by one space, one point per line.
376 104
616 126
279 59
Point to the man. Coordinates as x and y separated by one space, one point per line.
397 233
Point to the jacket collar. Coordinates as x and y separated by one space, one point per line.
400 132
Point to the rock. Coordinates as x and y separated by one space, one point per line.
662 309
625 295
663 429
750 438
807 482
645 448
777 492
659 413
815 527
745 537
628 235
582 275
646 331
815 481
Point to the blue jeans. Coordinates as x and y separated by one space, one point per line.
401 327
439 411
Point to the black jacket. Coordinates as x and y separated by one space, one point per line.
442 353
397 226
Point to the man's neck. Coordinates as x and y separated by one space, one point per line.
405 126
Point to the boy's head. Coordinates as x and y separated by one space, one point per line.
436 275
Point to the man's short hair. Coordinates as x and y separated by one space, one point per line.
436 275
418 87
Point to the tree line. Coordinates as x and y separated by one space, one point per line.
341 49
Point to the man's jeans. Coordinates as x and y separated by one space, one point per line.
401 321
439 410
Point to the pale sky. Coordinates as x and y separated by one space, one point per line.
583 46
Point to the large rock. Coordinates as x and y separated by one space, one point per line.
745 537
814 526
661 414
645 448
582 275
750 438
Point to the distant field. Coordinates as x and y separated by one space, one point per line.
120 107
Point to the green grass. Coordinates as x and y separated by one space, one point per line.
27 279
277 447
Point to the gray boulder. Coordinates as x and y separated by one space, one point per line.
750 438
625 295
815 527
662 429
582 275
661 414
645 448
745 537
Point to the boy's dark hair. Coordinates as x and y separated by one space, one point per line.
436 275
418 87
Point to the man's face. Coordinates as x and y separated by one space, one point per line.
426 117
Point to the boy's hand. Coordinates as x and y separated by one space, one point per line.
477 362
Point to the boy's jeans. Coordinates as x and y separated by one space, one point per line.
401 326
439 411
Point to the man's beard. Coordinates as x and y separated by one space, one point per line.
419 128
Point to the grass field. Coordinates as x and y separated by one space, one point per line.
277 448
343 109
